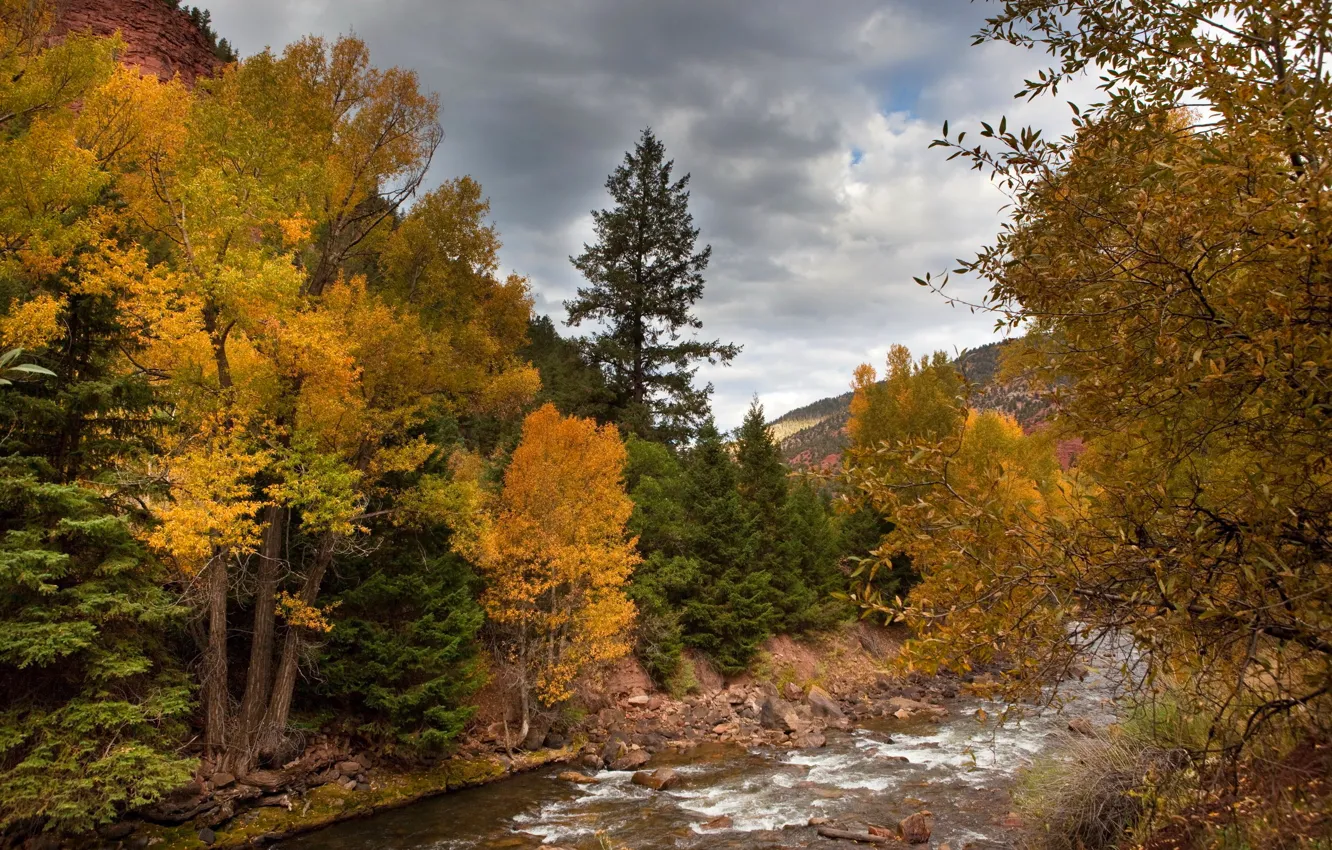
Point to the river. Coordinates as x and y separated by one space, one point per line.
962 770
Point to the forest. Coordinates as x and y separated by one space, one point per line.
284 454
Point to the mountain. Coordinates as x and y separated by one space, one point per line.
160 37
813 436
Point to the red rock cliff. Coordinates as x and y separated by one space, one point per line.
159 39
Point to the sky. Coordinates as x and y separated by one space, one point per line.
805 125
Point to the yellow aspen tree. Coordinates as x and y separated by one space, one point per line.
556 556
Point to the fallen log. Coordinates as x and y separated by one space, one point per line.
848 835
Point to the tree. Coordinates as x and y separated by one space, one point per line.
555 556
644 278
1169 261
575 386
298 381
728 611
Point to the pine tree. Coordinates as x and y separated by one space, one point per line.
729 612
644 277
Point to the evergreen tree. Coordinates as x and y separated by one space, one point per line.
574 386
644 277
729 613
402 661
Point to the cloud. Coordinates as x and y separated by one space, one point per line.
805 127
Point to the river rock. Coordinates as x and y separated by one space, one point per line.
658 780
904 708
808 738
349 785
349 768
207 836
723 822
614 748
777 713
1082 726
823 705
631 760
915 829
580 778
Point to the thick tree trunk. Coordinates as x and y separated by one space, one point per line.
215 697
284 684
242 749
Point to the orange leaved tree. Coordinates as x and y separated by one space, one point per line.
553 549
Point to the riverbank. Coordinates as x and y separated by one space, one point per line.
796 694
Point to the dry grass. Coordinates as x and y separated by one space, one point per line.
1095 792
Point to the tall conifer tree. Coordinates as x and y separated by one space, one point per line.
644 277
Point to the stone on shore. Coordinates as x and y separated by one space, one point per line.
915 829
658 780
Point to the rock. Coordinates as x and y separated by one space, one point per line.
1078 671
555 740
823 705
1012 820
915 829
776 713
658 780
580 778
222 779
349 768
723 822
631 760
904 708
881 831
809 739
349 785
639 701
117 831
1082 726
207 836
366 760
536 733
362 786
792 691
818 821
591 760
614 748
159 38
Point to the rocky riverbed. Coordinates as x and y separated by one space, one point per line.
756 766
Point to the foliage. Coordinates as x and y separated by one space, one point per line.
555 556
93 704
1167 259
401 662
644 277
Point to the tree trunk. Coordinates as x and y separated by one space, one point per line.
242 749
215 697
284 684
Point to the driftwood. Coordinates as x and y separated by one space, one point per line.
862 837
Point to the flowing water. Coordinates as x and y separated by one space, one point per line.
961 770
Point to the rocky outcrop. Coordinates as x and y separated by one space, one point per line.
159 39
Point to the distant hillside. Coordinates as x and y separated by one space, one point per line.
814 435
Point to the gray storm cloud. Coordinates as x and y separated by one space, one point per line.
805 126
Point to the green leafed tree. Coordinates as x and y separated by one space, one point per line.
644 277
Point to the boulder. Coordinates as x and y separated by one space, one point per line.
639 701
631 760
792 691
723 822
555 740
580 778
349 785
808 738
823 705
207 836
349 768
915 829
614 748
658 780
777 713
537 730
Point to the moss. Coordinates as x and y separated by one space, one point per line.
329 804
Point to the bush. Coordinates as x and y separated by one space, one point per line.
1092 793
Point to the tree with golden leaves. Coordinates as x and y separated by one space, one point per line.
1169 260
556 557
